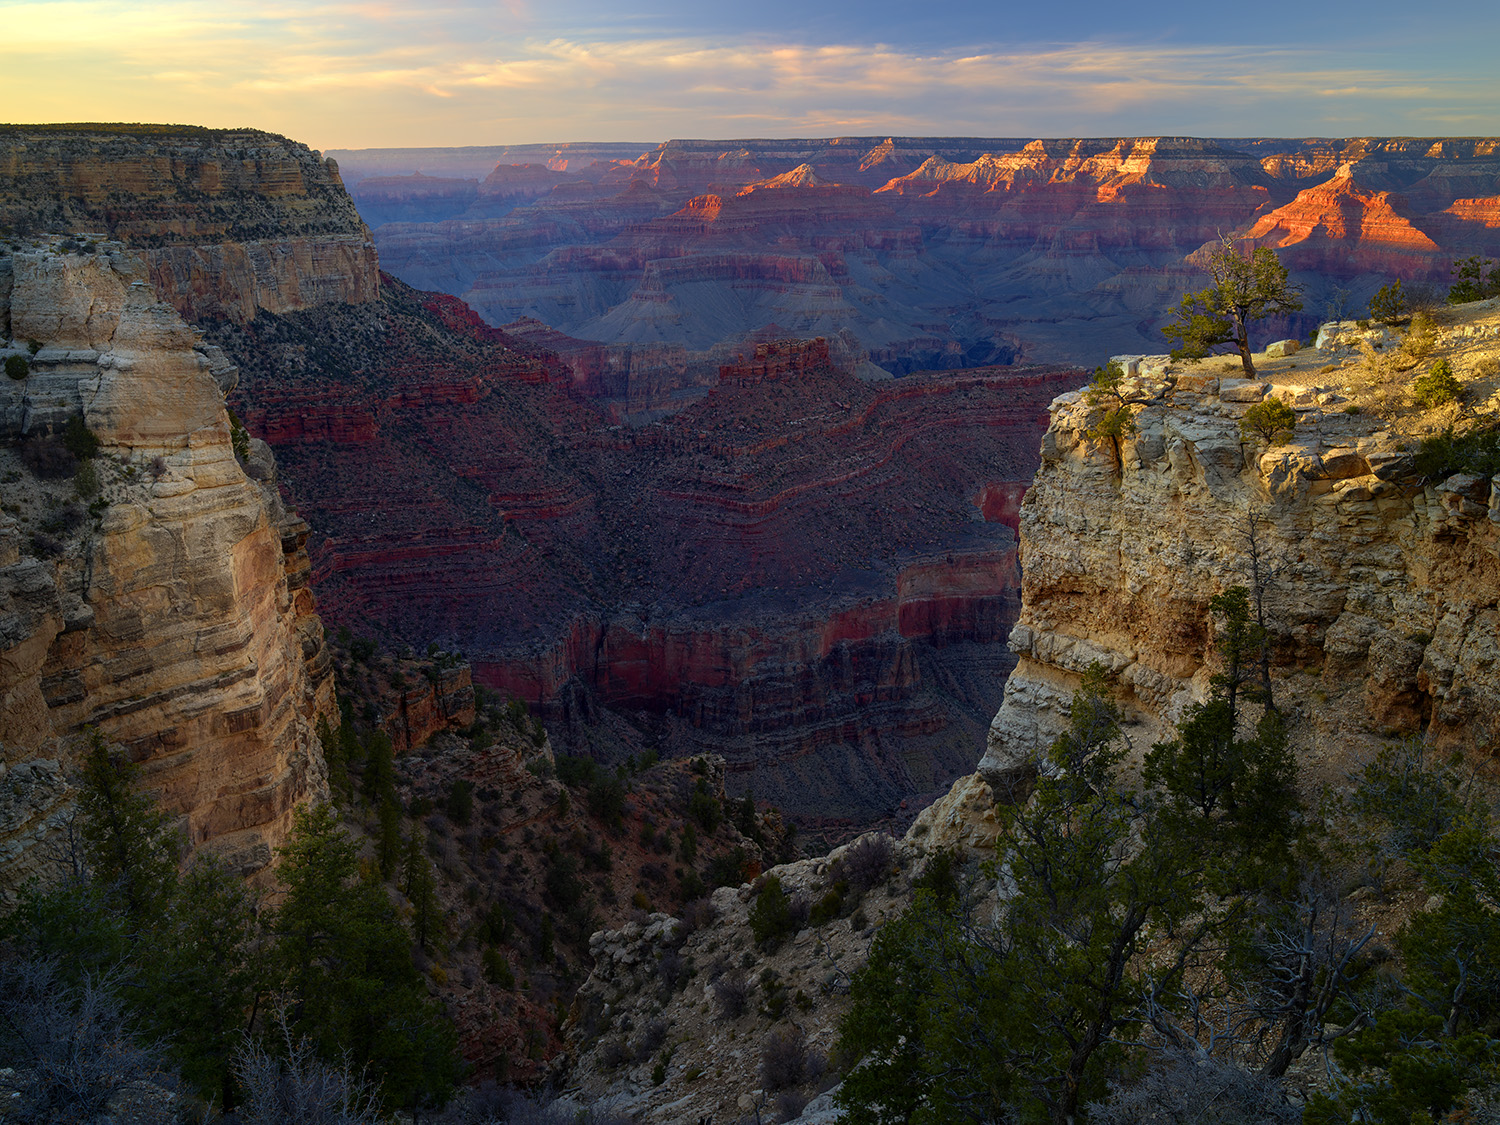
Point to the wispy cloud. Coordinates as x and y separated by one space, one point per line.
376 72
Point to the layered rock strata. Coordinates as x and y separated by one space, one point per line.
803 570
174 615
1381 586
944 252
228 221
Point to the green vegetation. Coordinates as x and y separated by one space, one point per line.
1110 419
17 367
1472 282
1421 336
1474 451
1438 387
771 915
1270 421
239 438
958 1019
78 439
1390 305
1244 290
202 967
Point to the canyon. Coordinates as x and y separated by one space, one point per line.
1381 581
666 491
937 252
806 572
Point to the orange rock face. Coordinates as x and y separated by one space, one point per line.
176 620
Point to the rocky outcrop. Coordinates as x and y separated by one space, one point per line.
174 615
227 221
1380 585
443 701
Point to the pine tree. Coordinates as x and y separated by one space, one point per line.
343 964
1244 290
129 844
419 885
206 978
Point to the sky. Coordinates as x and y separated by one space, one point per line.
379 73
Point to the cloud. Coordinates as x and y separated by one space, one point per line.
377 72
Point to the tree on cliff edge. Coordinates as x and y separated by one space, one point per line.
1243 290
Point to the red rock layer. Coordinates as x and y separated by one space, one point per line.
1368 230
794 569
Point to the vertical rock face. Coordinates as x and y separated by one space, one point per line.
176 618
1381 586
228 221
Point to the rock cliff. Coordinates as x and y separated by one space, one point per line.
173 613
227 221
1381 585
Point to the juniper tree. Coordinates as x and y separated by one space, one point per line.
1244 290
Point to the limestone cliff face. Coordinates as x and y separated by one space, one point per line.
228 221
1382 587
175 616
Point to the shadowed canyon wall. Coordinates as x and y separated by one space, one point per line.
797 571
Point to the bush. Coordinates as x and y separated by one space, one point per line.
940 878
1421 337
1185 1088
239 438
829 907
17 367
727 870
790 1104
771 916
78 439
652 1035
866 864
497 969
563 886
732 995
1389 304
48 457
705 808
460 804
1477 451
607 801
1270 421
1438 387
575 771
783 1058
78 1048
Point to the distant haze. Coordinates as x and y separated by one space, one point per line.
371 73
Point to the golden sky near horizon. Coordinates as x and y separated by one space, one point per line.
367 74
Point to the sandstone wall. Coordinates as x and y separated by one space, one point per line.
1382 586
229 221
177 618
